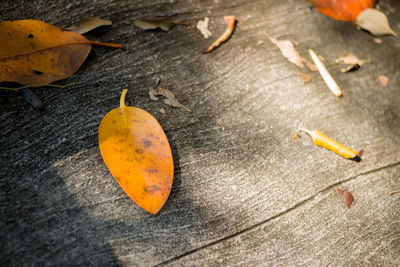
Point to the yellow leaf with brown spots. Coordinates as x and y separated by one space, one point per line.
137 153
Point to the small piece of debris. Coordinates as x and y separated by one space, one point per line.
378 40
353 61
202 26
350 68
164 23
170 97
394 192
288 51
306 78
383 79
162 111
326 76
348 197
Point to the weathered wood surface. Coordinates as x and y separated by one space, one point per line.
244 193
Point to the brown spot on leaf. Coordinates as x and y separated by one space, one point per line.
37 72
139 151
152 170
156 188
30 36
147 143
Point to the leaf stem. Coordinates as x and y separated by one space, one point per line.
122 99
66 44
394 192
107 44
307 132
36 85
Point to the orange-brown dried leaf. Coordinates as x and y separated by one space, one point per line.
54 60
348 197
346 10
230 21
33 52
137 153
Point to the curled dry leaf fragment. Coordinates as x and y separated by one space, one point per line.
306 78
288 51
164 23
383 79
170 97
322 140
87 24
352 60
326 76
230 21
33 52
350 68
137 153
375 22
348 197
202 26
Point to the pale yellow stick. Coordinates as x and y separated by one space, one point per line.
330 82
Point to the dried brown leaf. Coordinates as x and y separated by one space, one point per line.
351 59
230 26
354 63
87 24
383 79
288 51
374 21
348 197
170 97
164 23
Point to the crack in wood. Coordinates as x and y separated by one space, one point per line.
292 208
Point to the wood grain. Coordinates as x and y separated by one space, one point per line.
238 169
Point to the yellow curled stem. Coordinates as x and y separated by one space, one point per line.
324 141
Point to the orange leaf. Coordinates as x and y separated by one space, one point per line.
33 52
346 10
137 153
